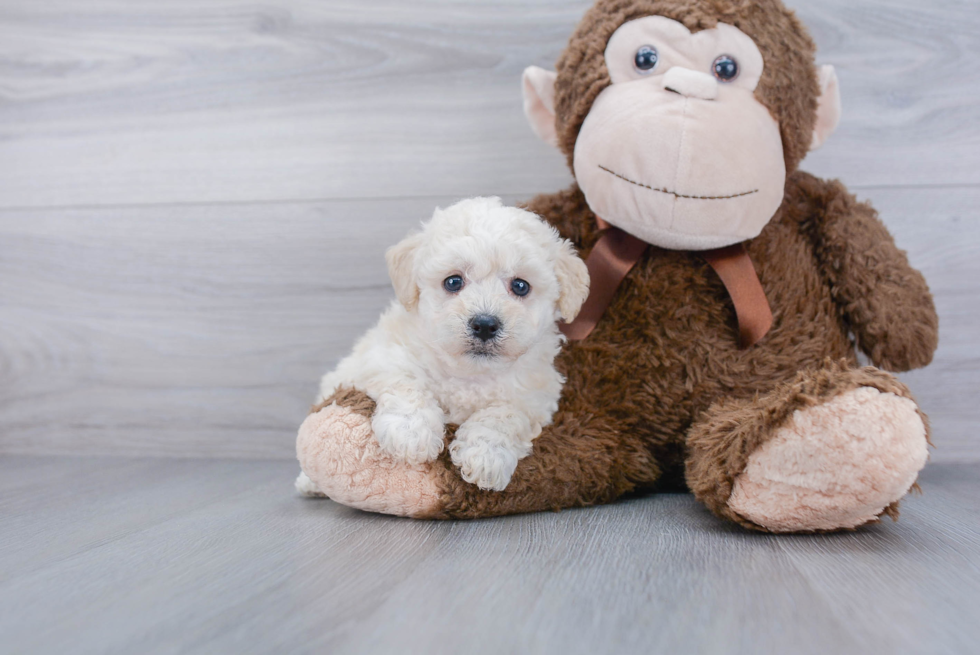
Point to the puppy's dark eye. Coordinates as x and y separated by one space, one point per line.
725 68
453 283
520 287
646 59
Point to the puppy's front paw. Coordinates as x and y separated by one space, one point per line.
414 438
484 457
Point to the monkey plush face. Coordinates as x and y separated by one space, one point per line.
678 148
677 151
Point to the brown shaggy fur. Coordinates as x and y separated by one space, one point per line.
664 357
660 392
352 399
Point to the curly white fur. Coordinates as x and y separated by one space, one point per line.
423 364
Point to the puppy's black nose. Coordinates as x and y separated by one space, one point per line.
484 326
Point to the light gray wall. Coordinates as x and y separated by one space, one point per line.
195 197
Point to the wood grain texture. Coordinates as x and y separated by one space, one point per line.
194 203
202 330
153 556
167 288
184 330
141 102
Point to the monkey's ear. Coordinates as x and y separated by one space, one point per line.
828 107
539 103
573 282
401 270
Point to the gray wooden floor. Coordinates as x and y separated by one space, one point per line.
194 202
167 555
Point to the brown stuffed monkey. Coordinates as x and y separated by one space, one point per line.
730 293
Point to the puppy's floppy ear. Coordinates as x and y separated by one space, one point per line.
573 281
401 269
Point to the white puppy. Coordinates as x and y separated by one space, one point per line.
471 340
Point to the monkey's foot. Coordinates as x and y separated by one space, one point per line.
341 456
835 465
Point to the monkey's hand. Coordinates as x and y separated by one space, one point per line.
886 302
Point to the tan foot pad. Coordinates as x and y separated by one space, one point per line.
337 450
836 465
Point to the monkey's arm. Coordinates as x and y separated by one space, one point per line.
885 300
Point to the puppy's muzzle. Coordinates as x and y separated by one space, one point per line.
485 327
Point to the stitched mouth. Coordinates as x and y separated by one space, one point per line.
674 193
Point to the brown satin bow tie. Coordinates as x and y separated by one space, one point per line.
616 253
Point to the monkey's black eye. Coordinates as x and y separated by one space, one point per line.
646 59
453 283
725 68
520 287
